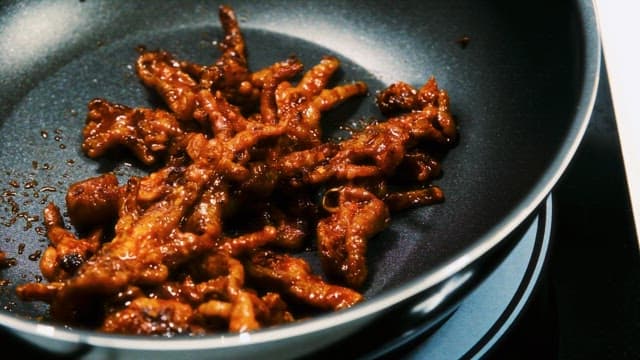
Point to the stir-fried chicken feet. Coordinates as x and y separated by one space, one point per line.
200 243
356 216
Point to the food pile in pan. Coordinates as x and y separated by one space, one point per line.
242 182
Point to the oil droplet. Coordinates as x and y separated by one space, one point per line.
36 255
30 184
9 307
40 230
463 41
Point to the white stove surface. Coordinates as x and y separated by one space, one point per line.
620 31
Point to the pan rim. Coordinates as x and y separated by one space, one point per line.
591 68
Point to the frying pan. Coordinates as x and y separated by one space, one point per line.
521 76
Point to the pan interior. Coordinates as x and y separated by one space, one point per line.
513 86
43 133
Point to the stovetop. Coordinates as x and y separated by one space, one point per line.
587 302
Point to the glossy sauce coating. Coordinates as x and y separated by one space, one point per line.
208 240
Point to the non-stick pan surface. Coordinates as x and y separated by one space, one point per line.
521 77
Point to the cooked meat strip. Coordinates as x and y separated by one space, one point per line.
231 74
417 166
244 243
160 71
216 113
251 313
146 244
242 316
67 252
147 133
301 106
272 310
292 230
403 98
93 202
356 216
397 201
178 82
399 97
36 291
268 80
375 151
144 316
293 277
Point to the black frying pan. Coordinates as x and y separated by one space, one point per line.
521 77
